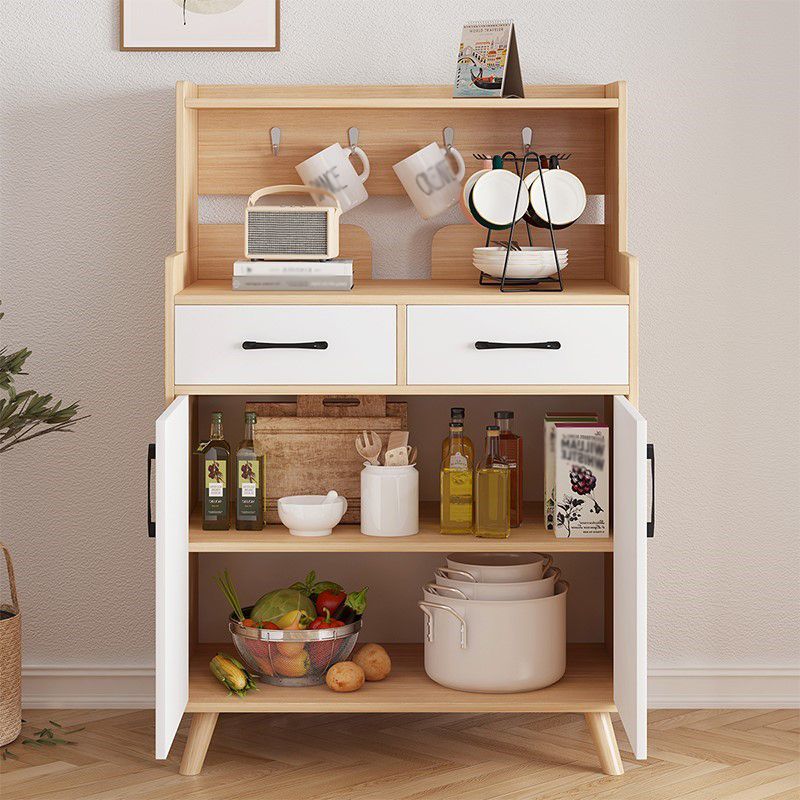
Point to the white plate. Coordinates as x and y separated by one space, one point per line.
493 197
492 251
520 270
566 197
465 192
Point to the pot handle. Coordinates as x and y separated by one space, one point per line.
426 610
446 572
548 562
434 588
555 574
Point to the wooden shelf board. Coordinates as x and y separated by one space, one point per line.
586 686
529 537
427 292
312 103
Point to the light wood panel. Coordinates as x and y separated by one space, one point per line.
185 169
530 536
235 156
444 292
448 389
220 245
451 250
313 94
586 686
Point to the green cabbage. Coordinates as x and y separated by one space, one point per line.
273 605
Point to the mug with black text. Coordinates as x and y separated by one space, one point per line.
429 179
331 169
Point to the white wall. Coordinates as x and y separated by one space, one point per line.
87 134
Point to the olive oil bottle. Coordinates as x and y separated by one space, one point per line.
455 482
249 480
457 415
216 461
511 451
493 490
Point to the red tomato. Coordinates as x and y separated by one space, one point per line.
329 600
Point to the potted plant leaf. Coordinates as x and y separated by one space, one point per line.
24 416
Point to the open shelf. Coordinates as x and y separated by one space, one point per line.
531 536
576 292
586 686
578 96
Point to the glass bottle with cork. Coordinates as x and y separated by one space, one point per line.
456 482
511 451
215 480
493 491
249 480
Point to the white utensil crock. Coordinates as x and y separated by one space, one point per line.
496 646
389 501
470 590
499 567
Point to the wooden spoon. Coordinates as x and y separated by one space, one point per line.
368 446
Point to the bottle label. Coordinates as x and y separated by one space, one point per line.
458 461
216 487
249 477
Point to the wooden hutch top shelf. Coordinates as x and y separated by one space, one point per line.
377 97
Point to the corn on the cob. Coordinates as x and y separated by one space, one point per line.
232 674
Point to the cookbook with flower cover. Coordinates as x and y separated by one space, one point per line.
582 480
488 62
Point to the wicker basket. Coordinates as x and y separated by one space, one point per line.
10 662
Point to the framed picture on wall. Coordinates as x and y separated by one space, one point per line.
199 25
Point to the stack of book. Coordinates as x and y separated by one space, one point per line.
335 275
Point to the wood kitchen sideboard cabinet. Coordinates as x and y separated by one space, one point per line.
397 337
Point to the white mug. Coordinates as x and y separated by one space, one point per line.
331 169
429 180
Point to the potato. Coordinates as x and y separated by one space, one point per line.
345 677
374 660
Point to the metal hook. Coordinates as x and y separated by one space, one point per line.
448 136
352 138
275 138
527 138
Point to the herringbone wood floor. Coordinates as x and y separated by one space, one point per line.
701 755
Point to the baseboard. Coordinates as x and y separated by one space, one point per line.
723 687
77 686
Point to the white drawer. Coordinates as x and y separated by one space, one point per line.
360 345
592 345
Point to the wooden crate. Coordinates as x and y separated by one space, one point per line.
309 446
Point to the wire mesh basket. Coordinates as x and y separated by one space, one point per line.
293 658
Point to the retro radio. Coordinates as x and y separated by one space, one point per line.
292 232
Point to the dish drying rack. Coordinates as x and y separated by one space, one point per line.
520 167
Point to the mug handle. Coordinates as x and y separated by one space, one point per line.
462 168
362 157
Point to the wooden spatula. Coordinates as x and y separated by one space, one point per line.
397 439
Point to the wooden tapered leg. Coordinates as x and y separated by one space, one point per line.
605 742
200 733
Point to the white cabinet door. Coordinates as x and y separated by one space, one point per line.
172 571
286 345
630 572
518 345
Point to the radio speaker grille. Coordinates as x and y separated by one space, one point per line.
287 232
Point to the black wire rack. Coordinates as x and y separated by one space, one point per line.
521 164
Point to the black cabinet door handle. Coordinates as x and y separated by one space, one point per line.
151 457
651 523
517 345
284 345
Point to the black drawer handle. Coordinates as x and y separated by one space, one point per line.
151 457
651 523
517 345
284 345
